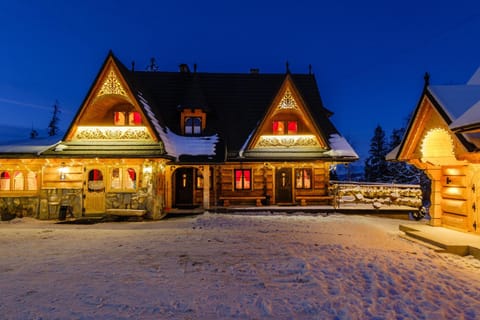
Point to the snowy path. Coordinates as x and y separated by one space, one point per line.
225 266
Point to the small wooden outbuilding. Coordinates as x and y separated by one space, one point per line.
443 139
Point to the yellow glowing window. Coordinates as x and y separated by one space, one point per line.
303 178
119 118
18 181
122 179
32 181
4 181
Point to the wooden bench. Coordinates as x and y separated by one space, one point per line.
258 199
303 199
126 212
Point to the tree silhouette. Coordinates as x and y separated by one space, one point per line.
53 125
376 164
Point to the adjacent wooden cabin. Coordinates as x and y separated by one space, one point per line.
149 142
443 140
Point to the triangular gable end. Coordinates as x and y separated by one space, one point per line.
287 126
111 110
428 138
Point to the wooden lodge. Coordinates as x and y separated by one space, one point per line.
443 140
147 142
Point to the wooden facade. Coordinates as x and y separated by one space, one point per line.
442 140
150 142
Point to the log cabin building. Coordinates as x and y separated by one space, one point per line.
443 139
152 142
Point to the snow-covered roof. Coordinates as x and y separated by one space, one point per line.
176 145
469 118
340 147
29 146
188 145
456 99
392 155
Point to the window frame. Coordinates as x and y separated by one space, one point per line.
301 175
123 182
194 128
283 127
243 179
25 181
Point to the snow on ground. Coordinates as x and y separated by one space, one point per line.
216 266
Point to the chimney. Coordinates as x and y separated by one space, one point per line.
184 68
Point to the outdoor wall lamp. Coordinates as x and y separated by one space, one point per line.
63 171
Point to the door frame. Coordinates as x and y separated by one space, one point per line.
99 198
290 182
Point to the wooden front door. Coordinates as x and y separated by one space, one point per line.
94 191
183 186
283 186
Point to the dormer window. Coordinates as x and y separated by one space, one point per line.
285 127
193 126
121 118
193 121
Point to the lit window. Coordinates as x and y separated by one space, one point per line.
122 179
285 127
18 181
4 181
116 179
303 178
134 118
278 127
243 179
131 179
95 181
193 125
119 118
292 127
32 181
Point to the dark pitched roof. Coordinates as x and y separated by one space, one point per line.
236 102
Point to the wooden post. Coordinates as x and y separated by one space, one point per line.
206 187
435 174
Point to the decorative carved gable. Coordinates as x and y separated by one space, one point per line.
111 111
111 85
287 102
288 125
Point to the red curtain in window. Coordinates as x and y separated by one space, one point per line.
137 119
246 179
292 127
278 127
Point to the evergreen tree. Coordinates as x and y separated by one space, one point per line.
399 171
376 164
402 172
53 125
33 134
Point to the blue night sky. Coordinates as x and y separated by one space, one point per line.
369 57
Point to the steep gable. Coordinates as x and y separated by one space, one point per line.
111 110
428 137
112 121
287 125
